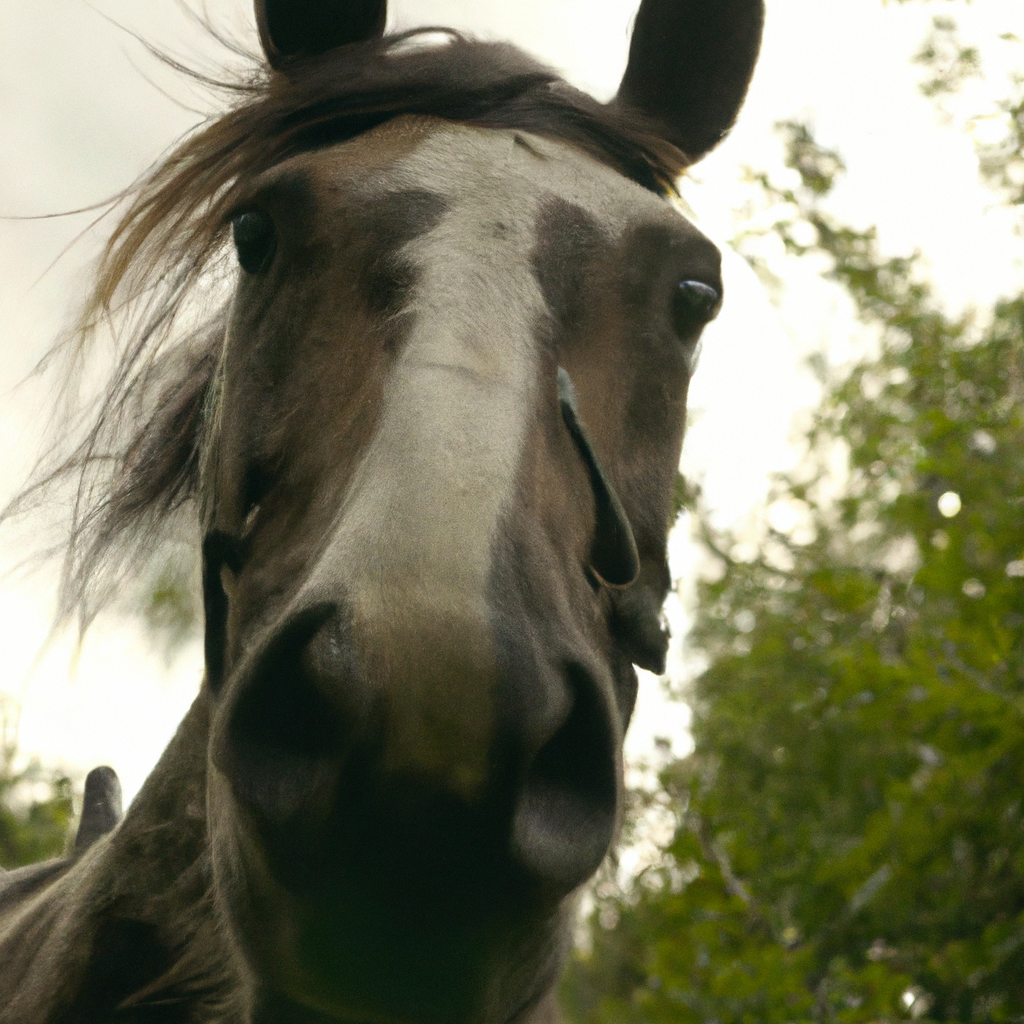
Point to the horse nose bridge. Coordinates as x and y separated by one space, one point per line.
411 551
421 599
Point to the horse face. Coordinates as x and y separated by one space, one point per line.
448 415
420 683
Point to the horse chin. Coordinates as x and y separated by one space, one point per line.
357 928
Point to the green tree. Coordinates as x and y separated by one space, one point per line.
35 804
849 831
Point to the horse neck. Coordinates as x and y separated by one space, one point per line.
131 920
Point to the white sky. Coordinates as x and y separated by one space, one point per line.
80 121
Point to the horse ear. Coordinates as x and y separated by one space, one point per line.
690 62
101 807
301 28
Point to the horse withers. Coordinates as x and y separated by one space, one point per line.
429 446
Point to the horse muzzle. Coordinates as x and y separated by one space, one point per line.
436 759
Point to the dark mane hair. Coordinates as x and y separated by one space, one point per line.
135 461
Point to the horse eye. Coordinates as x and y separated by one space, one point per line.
693 305
255 240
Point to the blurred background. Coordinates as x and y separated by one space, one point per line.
826 818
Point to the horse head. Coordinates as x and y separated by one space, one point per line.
448 412
432 440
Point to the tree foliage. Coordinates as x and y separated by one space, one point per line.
849 830
35 804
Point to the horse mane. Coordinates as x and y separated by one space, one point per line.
134 463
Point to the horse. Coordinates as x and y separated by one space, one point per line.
428 444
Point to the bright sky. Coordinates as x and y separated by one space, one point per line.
81 121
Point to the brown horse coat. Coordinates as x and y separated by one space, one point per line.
430 446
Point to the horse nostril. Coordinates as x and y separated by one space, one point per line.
565 816
293 716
